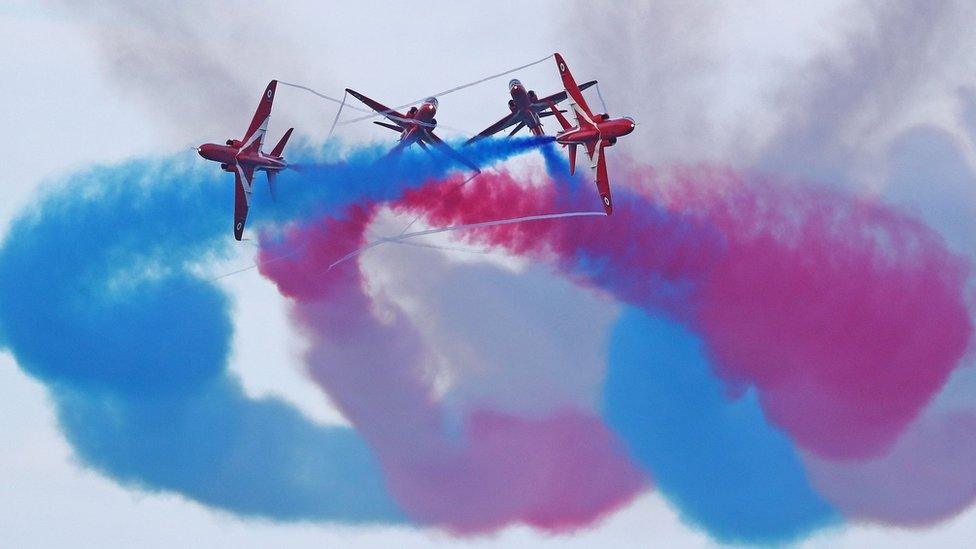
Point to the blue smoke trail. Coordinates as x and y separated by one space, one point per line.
323 184
99 301
716 459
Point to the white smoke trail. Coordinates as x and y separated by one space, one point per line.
401 237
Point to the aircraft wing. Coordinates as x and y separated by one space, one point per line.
254 137
569 83
431 138
243 178
602 179
391 114
506 122
561 96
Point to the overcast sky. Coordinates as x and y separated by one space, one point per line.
98 83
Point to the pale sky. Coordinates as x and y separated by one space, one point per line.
71 101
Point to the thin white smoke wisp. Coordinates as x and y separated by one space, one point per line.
523 219
600 95
322 95
338 112
455 189
454 89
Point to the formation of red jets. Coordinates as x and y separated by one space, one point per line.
594 132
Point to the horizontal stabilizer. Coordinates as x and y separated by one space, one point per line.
280 147
559 116
393 127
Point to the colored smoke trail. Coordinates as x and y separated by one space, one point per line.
555 472
99 301
718 459
98 304
428 232
836 318
134 347
811 296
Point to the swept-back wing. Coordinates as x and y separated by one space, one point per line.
602 179
431 138
391 114
254 137
561 96
569 83
502 124
243 177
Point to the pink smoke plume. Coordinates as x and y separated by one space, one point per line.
470 474
927 476
846 316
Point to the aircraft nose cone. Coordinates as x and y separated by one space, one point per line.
206 151
633 123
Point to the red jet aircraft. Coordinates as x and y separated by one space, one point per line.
527 109
416 126
594 132
244 157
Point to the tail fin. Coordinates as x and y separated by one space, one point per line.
280 147
559 116
572 159
271 184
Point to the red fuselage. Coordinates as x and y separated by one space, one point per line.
419 120
230 156
606 129
526 104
